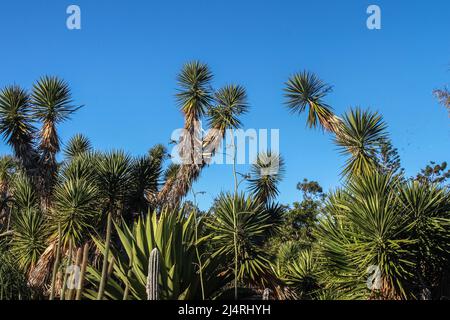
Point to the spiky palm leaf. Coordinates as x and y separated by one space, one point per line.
365 229
230 103
195 93
146 176
13 281
30 236
16 125
359 138
173 234
24 193
427 208
52 104
304 90
114 179
77 145
252 227
266 173
75 209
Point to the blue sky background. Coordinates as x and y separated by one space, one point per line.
123 64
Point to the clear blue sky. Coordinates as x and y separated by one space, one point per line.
122 66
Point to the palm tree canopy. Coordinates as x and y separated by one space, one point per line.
231 102
77 145
360 136
16 120
266 173
305 89
195 93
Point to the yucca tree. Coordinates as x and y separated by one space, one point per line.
146 179
16 125
13 282
364 230
8 168
77 145
266 173
236 217
299 269
113 176
230 102
306 90
361 133
51 104
427 209
29 238
75 210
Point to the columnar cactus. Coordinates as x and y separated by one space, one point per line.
101 289
83 271
56 264
153 273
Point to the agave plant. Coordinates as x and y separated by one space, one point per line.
172 233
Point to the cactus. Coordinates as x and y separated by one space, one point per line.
83 272
101 289
152 277
56 264
69 262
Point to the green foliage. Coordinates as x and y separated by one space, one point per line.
434 173
304 90
172 233
253 226
77 145
359 138
29 239
231 102
13 282
75 209
266 173
195 94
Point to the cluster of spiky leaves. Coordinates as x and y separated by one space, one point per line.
172 233
378 221
253 226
